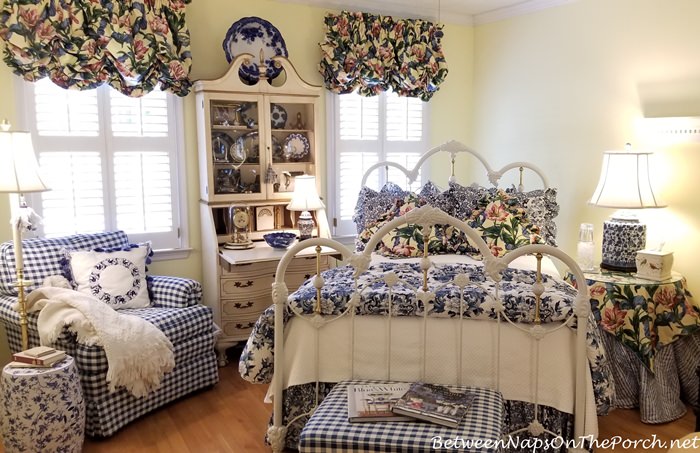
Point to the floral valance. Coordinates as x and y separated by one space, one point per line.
132 45
374 53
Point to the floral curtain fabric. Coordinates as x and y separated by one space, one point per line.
132 45
373 53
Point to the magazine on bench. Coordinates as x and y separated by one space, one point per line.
434 403
373 402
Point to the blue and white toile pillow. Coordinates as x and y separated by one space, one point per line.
114 277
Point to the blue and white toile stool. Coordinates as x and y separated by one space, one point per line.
42 408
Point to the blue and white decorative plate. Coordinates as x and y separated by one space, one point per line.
250 35
278 116
296 147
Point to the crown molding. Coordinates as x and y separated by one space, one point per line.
520 9
429 11
393 7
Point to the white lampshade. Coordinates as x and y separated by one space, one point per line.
305 196
624 182
19 171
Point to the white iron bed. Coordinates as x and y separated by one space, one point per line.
536 356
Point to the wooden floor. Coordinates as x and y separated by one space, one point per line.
231 417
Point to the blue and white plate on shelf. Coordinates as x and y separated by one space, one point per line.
296 147
251 35
278 116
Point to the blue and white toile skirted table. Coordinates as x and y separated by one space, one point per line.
42 408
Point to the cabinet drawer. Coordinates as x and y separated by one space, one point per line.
257 278
246 286
239 328
301 269
247 270
306 265
245 304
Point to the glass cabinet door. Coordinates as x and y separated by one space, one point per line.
292 144
235 147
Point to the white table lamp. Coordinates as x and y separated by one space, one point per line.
19 173
305 199
624 184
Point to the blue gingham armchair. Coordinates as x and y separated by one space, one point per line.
175 310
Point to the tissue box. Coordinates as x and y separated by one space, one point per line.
654 264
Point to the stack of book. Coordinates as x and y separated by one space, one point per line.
40 356
407 401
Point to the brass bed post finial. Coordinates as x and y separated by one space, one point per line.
317 309
538 280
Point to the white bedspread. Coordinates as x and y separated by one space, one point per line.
138 353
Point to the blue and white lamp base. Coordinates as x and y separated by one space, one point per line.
622 239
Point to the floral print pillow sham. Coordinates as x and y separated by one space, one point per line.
507 219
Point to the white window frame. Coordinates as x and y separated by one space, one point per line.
25 109
333 167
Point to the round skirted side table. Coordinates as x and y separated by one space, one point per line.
42 408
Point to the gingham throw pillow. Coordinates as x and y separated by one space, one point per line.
116 277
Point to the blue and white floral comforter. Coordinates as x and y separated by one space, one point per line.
256 362
515 291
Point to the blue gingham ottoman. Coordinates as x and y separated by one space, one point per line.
328 429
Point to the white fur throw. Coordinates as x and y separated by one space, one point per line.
138 354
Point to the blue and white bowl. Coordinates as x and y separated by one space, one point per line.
280 240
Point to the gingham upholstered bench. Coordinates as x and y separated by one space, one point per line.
328 429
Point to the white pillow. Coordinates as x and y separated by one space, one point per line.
117 278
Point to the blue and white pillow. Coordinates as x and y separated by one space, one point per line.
114 277
372 204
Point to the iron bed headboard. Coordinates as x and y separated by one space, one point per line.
454 148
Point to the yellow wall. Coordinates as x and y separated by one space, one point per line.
302 29
561 86
451 108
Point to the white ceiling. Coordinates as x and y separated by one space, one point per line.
445 11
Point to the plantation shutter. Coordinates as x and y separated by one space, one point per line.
369 130
110 161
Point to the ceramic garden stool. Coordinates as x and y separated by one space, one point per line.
42 408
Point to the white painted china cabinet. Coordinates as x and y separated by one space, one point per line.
253 139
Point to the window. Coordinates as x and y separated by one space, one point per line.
367 130
111 162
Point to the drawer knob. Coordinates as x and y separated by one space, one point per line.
250 325
246 305
243 284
